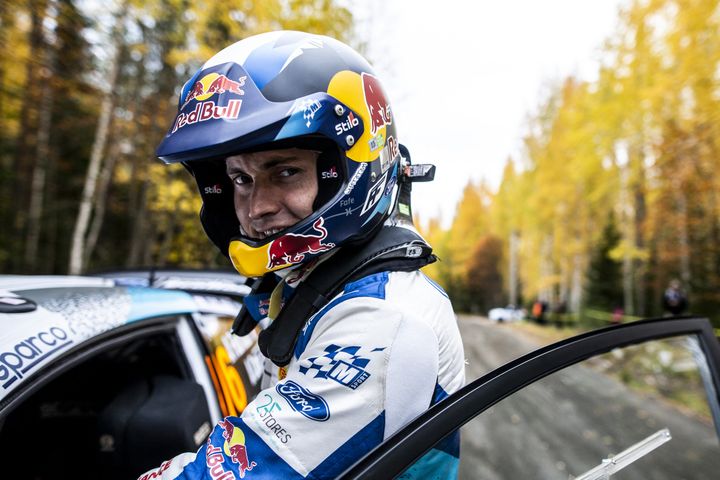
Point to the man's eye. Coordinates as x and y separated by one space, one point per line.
288 172
241 179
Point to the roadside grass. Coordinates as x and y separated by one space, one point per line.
544 334
644 368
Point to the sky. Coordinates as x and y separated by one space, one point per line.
463 77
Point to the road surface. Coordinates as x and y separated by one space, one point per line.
567 423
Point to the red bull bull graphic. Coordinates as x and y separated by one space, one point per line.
213 83
292 248
205 88
234 447
376 102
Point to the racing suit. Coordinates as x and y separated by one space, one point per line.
379 354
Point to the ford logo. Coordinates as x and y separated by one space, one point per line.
303 401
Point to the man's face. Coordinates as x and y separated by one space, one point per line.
274 189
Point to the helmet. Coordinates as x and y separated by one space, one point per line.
282 90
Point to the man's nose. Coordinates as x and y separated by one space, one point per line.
263 201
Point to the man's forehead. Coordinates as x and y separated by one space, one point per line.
270 158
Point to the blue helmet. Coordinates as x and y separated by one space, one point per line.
282 90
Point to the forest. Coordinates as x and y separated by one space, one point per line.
616 193
614 196
87 91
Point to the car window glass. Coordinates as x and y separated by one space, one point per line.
564 425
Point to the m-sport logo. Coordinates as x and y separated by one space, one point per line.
348 375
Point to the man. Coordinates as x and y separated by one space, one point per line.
305 187
674 300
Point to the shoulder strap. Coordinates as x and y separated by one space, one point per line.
392 249
244 322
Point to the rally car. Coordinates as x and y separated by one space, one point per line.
507 314
107 376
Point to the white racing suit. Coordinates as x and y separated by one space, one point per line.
375 357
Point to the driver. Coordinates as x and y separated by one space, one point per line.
293 144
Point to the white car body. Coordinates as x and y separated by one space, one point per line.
506 314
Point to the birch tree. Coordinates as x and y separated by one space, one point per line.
77 252
47 54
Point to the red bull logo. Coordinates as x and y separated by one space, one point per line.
205 88
213 83
234 448
292 248
207 111
376 102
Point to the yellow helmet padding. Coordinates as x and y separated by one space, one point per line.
347 87
250 261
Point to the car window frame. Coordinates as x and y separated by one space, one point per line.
406 446
166 324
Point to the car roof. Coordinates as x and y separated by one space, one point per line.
219 282
41 318
34 282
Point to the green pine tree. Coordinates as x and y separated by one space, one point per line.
604 287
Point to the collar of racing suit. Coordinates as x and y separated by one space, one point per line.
394 248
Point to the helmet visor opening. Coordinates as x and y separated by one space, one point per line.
329 176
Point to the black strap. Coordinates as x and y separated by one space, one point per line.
244 322
392 249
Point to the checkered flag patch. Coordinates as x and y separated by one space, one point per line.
319 366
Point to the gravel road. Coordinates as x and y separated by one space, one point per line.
567 423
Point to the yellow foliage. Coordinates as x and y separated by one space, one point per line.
602 147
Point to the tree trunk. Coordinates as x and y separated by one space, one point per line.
77 250
42 150
52 220
640 263
5 21
565 284
547 269
628 239
100 203
576 286
139 237
513 268
167 241
22 165
683 239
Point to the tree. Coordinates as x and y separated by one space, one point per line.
483 278
604 286
79 237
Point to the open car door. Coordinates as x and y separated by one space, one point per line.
634 401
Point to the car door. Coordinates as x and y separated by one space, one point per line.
107 407
638 400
